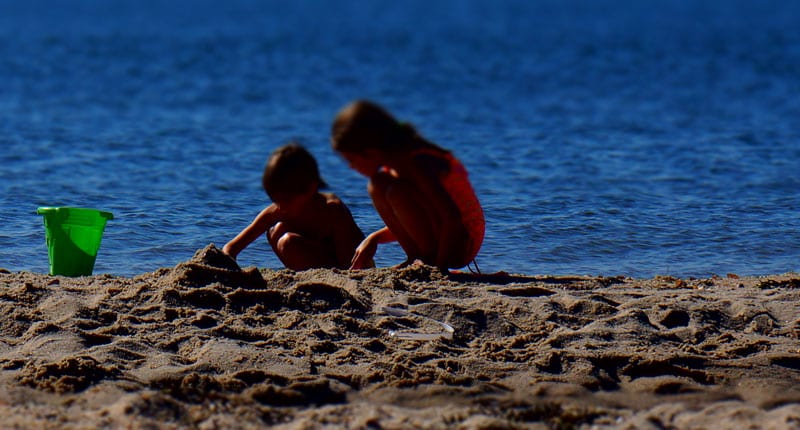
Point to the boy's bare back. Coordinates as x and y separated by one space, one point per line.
327 220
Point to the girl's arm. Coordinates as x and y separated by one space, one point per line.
366 251
258 227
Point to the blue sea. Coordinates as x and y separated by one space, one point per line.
603 137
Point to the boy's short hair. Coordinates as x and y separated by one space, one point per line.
290 170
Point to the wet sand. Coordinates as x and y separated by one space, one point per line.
209 345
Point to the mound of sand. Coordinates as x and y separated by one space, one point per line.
209 345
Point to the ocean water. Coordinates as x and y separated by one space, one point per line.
603 137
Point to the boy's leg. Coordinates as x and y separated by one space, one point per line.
297 252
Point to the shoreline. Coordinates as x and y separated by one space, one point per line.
207 344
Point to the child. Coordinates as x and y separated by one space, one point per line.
306 228
420 190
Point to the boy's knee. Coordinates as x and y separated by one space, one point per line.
287 242
276 232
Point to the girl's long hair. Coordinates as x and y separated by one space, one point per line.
365 125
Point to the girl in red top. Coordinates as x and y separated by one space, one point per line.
420 190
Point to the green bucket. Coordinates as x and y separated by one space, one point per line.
73 238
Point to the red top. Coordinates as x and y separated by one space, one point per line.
456 183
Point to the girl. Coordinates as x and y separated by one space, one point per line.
420 190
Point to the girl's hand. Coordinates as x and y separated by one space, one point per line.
364 253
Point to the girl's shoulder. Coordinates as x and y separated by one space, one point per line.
430 157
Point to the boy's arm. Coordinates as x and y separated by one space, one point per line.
346 235
366 250
259 226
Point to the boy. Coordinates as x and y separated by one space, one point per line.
306 228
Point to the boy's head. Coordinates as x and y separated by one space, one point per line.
290 171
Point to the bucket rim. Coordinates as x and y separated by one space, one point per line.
44 210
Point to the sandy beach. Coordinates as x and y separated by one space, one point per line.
209 345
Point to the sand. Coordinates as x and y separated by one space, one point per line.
209 345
